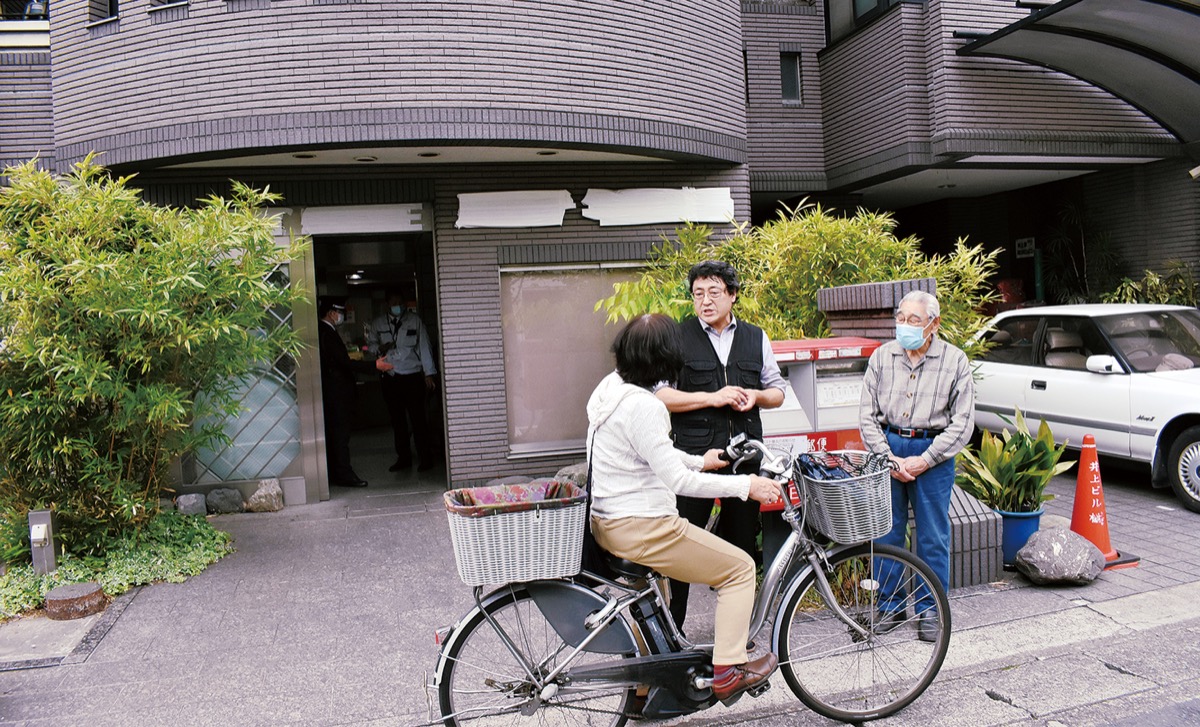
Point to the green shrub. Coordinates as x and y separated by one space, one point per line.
115 315
1010 472
1176 287
783 263
169 548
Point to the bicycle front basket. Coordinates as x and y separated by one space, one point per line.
514 533
847 509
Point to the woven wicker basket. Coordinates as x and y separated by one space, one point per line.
852 509
512 533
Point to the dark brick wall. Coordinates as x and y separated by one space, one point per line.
221 75
895 95
785 149
468 264
26 108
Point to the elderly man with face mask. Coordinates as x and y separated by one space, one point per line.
918 408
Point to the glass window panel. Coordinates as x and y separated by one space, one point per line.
556 349
789 76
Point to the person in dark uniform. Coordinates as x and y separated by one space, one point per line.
337 391
729 373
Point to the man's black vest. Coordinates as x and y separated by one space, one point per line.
698 431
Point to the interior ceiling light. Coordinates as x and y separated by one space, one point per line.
429 154
366 158
355 276
947 186
304 155
545 153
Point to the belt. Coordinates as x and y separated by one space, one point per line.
914 433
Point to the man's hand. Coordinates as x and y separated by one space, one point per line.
430 383
381 365
748 401
732 396
764 490
899 471
714 460
915 465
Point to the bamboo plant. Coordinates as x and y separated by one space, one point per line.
1010 472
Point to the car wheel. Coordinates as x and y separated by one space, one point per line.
1184 468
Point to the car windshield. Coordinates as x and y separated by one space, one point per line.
1166 340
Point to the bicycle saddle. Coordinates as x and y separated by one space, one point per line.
626 568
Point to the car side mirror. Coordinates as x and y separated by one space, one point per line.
1103 365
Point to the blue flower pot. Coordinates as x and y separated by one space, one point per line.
1015 532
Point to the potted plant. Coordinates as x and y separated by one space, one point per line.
1009 474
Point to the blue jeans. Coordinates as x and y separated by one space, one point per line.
929 496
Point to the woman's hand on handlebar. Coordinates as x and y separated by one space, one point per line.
714 459
764 490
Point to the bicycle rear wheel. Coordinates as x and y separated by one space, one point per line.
483 683
843 675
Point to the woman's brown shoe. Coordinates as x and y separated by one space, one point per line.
748 676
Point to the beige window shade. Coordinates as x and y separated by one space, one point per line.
556 349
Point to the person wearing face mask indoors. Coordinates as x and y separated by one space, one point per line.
337 391
918 408
400 338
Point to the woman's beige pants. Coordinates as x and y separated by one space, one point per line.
677 549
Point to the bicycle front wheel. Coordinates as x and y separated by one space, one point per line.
484 683
848 676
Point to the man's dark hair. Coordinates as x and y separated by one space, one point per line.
715 269
649 350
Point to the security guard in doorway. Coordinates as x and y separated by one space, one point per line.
399 337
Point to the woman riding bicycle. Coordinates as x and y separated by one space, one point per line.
636 474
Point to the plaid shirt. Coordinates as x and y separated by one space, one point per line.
937 392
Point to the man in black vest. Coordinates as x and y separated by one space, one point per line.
729 373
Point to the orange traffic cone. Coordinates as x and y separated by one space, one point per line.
1089 517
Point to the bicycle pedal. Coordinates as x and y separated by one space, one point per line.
759 690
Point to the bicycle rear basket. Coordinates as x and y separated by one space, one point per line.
515 533
848 509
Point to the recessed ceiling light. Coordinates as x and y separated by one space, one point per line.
366 158
304 155
546 153
429 154
355 276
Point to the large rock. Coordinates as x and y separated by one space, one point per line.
1060 556
225 499
194 504
267 498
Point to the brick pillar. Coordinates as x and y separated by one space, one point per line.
866 309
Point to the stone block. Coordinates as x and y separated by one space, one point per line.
75 600
267 498
194 504
225 500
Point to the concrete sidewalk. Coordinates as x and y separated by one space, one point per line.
325 616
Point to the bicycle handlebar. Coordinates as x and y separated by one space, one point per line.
742 449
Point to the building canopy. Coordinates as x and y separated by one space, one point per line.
1146 52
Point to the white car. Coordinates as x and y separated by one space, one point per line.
1127 374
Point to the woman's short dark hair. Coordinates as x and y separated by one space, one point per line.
723 271
649 350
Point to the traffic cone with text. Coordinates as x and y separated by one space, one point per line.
1089 517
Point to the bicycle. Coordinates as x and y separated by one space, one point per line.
597 651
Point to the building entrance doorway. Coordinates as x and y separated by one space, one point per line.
369 273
